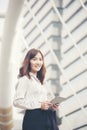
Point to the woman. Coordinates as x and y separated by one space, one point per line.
32 94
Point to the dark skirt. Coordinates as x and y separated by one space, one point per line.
40 120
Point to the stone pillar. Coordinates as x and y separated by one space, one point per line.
12 15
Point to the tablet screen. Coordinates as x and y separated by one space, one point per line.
58 100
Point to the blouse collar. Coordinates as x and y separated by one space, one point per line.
33 76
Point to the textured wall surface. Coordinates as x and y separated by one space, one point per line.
74 64
58 29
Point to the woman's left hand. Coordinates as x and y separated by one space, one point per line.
54 107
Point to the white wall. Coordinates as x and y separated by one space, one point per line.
72 83
74 63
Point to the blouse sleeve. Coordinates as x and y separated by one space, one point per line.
20 100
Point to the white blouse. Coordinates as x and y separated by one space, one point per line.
30 93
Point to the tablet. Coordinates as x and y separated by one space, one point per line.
58 100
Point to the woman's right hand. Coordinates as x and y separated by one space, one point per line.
45 105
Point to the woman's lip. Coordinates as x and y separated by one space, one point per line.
38 67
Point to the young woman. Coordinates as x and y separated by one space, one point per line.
32 95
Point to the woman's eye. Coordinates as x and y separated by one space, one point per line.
40 59
34 58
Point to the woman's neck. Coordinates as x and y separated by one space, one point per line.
34 73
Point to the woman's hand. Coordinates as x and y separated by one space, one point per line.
46 105
54 107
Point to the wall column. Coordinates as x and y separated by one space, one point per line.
13 12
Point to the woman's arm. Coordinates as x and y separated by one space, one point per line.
20 99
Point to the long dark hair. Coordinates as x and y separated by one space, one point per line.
25 69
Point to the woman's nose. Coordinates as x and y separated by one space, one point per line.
39 62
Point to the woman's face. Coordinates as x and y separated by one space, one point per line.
36 63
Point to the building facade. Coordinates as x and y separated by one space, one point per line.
58 29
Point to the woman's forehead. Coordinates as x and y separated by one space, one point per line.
38 54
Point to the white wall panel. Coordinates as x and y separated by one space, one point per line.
71 9
38 42
74 70
75 21
73 54
46 21
29 28
65 3
51 30
74 103
80 32
78 84
44 10
38 5
32 2
82 45
75 120
33 35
